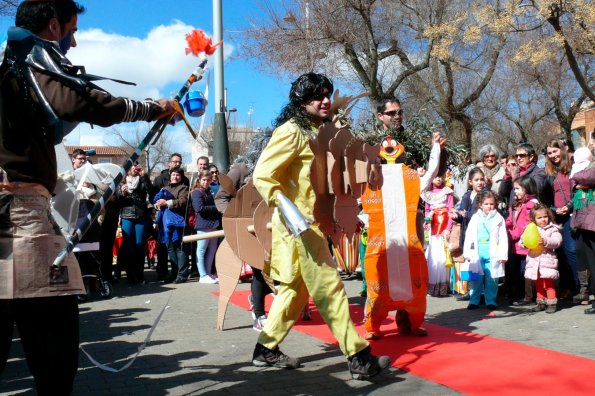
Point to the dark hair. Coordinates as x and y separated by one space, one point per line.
213 166
78 152
482 196
66 9
539 206
473 172
203 157
568 143
175 155
565 163
307 87
528 184
528 148
381 104
177 169
35 15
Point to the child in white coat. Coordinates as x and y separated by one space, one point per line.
486 248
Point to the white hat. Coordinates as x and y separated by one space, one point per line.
582 159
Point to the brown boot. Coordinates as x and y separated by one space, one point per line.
583 295
540 306
551 305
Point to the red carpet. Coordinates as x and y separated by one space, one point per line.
467 362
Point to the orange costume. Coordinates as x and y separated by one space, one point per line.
395 265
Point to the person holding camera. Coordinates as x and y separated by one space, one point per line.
132 197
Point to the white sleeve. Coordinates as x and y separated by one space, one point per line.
433 164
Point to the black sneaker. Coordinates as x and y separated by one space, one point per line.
264 356
363 365
463 297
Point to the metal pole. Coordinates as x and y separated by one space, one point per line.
220 143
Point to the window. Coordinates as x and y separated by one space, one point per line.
104 160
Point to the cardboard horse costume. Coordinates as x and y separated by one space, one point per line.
344 168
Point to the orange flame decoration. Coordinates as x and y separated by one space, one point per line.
199 42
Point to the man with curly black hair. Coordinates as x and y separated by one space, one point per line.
303 264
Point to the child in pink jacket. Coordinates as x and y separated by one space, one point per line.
519 289
542 262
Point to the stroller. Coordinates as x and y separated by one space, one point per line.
68 211
86 252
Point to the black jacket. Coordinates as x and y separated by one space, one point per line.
134 206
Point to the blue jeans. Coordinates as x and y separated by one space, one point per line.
205 254
568 275
178 258
485 284
133 236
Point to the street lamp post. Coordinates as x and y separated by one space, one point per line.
220 143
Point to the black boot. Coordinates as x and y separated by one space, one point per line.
363 365
264 356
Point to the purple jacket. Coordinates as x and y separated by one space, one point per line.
584 219
542 260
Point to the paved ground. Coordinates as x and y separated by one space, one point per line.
188 356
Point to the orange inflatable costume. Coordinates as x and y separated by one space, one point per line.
395 265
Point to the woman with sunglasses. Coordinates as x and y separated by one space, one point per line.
214 185
526 159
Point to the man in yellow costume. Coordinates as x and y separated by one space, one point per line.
301 260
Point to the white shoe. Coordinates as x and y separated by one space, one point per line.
207 279
259 323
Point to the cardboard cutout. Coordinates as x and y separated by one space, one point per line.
346 208
324 206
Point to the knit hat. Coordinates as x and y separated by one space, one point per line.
582 159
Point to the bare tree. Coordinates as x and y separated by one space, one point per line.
377 44
571 28
157 156
465 57
8 7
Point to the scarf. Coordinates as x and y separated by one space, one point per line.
132 183
490 173
583 199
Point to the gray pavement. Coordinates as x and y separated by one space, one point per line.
188 356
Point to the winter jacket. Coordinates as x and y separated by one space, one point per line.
536 173
543 259
162 181
497 178
584 218
517 221
170 219
470 208
134 205
27 134
207 215
498 242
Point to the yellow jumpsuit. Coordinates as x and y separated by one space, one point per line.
303 265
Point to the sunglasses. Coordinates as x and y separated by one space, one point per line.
523 155
489 156
214 172
393 113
